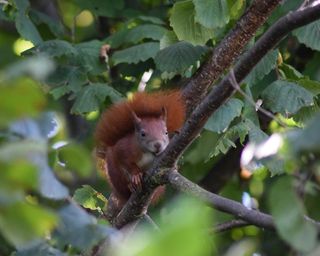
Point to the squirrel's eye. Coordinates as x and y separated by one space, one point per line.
166 133
143 134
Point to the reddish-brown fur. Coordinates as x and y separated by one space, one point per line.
117 143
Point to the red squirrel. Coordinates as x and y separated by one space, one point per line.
130 134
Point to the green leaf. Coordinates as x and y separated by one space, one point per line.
288 212
211 14
308 139
310 85
76 158
168 39
182 21
39 249
154 20
21 100
256 135
78 228
290 72
102 8
55 26
34 149
71 78
24 25
90 198
309 35
227 140
137 53
150 31
263 67
249 110
236 8
88 56
91 96
38 67
286 97
181 235
55 48
222 118
21 223
18 174
178 57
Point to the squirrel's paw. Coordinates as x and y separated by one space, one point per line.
135 184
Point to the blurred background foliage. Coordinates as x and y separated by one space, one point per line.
54 84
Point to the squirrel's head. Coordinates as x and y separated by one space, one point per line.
151 132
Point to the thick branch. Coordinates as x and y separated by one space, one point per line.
227 51
220 203
216 98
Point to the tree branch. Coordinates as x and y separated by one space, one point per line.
227 51
220 93
220 203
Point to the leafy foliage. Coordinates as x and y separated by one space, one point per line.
56 77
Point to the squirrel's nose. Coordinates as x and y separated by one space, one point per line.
157 146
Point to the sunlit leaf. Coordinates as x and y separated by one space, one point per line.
19 101
183 22
211 14
181 235
90 198
21 223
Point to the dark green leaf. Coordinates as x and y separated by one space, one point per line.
137 53
286 97
55 26
56 48
89 56
102 8
24 25
91 96
222 118
138 33
288 212
309 35
178 57
263 68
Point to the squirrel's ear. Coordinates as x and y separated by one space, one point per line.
164 113
136 119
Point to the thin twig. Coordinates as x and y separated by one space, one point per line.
221 227
236 86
